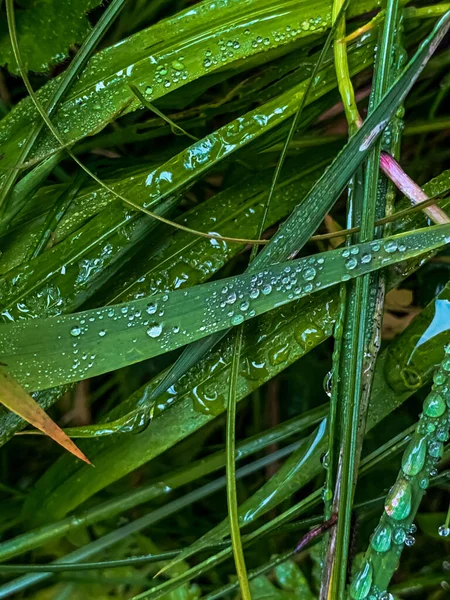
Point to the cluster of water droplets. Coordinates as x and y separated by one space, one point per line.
419 464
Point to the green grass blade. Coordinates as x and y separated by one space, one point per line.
232 501
357 347
402 503
110 339
137 525
65 485
201 468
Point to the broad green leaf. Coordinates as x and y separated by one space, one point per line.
42 353
46 30
14 397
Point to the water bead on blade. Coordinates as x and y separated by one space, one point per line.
414 456
361 584
398 502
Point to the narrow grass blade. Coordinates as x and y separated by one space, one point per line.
64 85
402 502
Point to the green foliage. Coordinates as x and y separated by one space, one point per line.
46 30
175 286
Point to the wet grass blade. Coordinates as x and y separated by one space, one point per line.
120 335
419 463
64 84
301 326
357 344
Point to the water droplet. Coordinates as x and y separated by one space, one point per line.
309 273
410 540
237 319
434 405
75 331
279 354
266 289
366 258
327 383
351 263
177 65
149 90
444 531
381 540
414 456
102 333
362 582
399 535
398 501
391 246
152 308
154 330
436 449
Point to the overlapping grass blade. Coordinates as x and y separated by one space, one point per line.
302 223
301 328
359 329
120 335
102 92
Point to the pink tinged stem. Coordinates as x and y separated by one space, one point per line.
409 188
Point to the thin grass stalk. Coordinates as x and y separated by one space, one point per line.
358 343
232 502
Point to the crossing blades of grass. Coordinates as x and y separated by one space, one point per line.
48 352
305 219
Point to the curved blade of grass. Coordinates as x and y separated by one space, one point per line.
60 140
302 223
103 90
40 352
16 399
73 266
137 525
306 504
201 468
65 486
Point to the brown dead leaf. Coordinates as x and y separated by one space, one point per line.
14 397
333 227
398 312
